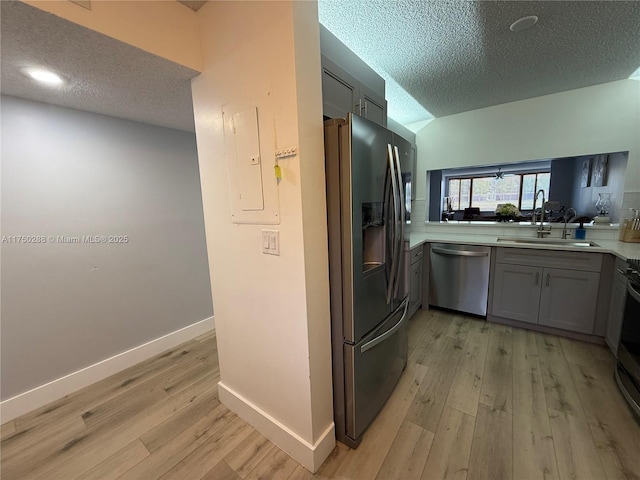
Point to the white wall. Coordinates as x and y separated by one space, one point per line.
272 312
599 119
72 173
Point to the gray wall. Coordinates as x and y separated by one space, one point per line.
584 198
72 173
561 186
435 196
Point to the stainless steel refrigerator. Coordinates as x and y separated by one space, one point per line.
368 172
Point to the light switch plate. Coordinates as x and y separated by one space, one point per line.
271 242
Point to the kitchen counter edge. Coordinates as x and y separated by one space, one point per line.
620 249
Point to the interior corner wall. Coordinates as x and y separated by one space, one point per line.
272 317
314 209
69 302
599 119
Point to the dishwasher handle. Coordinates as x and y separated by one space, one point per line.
459 253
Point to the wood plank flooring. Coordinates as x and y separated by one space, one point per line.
477 401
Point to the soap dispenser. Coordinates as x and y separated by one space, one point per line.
581 233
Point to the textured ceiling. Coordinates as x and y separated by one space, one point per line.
437 56
104 75
455 56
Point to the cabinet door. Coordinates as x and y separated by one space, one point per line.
339 90
568 299
616 313
372 106
516 292
415 287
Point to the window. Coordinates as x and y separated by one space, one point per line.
486 193
531 183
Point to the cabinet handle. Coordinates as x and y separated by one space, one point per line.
548 277
537 277
365 108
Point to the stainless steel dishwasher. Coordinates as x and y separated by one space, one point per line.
459 277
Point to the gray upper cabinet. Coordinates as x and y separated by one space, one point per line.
339 90
343 93
372 106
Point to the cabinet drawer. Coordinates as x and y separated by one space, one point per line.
416 254
570 260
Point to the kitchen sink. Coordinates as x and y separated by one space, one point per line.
549 241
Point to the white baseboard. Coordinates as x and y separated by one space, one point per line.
310 456
39 396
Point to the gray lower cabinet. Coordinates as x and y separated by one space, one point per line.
516 292
568 299
540 294
415 288
616 307
416 267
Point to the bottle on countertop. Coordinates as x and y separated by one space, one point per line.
581 233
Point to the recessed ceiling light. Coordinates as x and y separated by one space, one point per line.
523 23
43 76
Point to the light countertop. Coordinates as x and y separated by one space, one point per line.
621 250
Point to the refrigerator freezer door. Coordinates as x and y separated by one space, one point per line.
372 369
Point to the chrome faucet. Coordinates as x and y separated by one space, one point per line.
541 232
565 233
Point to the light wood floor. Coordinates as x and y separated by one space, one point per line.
477 401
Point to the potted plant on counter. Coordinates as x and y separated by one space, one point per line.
507 212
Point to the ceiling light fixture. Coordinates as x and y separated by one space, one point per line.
44 76
523 23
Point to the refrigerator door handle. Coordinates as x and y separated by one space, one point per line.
381 338
394 253
401 220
